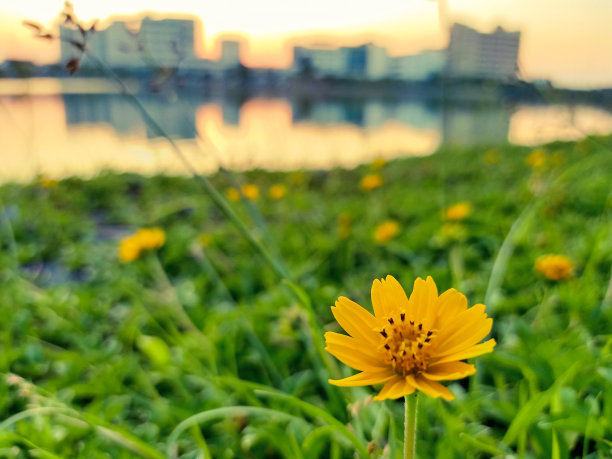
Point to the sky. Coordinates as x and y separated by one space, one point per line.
566 41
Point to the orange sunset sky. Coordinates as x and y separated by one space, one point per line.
567 41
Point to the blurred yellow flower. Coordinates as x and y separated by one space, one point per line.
233 194
554 267
386 231
277 191
250 191
458 211
409 343
132 246
536 159
345 222
378 164
492 156
129 249
370 182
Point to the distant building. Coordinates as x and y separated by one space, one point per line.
156 43
418 67
473 54
230 54
361 62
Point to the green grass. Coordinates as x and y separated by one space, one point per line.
113 365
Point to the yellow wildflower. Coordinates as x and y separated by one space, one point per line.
132 246
370 182
386 231
409 343
536 159
129 249
250 191
554 267
277 191
459 211
378 164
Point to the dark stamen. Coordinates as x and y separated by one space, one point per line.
387 347
427 340
384 333
420 326
420 345
429 333
391 320
402 316
412 322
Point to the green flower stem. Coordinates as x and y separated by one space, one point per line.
410 425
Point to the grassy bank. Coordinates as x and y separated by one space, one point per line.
114 355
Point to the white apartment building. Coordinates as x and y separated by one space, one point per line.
418 67
482 55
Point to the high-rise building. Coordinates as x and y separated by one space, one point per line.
472 54
156 43
230 54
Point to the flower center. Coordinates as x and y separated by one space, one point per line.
406 345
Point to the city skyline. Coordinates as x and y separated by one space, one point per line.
548 51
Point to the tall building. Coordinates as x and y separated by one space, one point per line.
472 54
230 54
156 43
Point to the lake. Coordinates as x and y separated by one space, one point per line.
46 131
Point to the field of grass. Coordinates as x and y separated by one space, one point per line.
205 348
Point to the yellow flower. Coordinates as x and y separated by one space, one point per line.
386 231
459 211
536 159
409 344
555 267
378 164
277 191
129 249
370 182
233 194
132 246
150 239
250 191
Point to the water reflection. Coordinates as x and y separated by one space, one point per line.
84 133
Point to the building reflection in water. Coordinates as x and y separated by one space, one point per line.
83 134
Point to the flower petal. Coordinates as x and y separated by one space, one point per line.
466 338
357 322
345 351
388 297
395 388
449 370
358 346
453 333
449 304
423 298
472 351
432 388
365 378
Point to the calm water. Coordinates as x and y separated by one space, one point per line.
45 132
